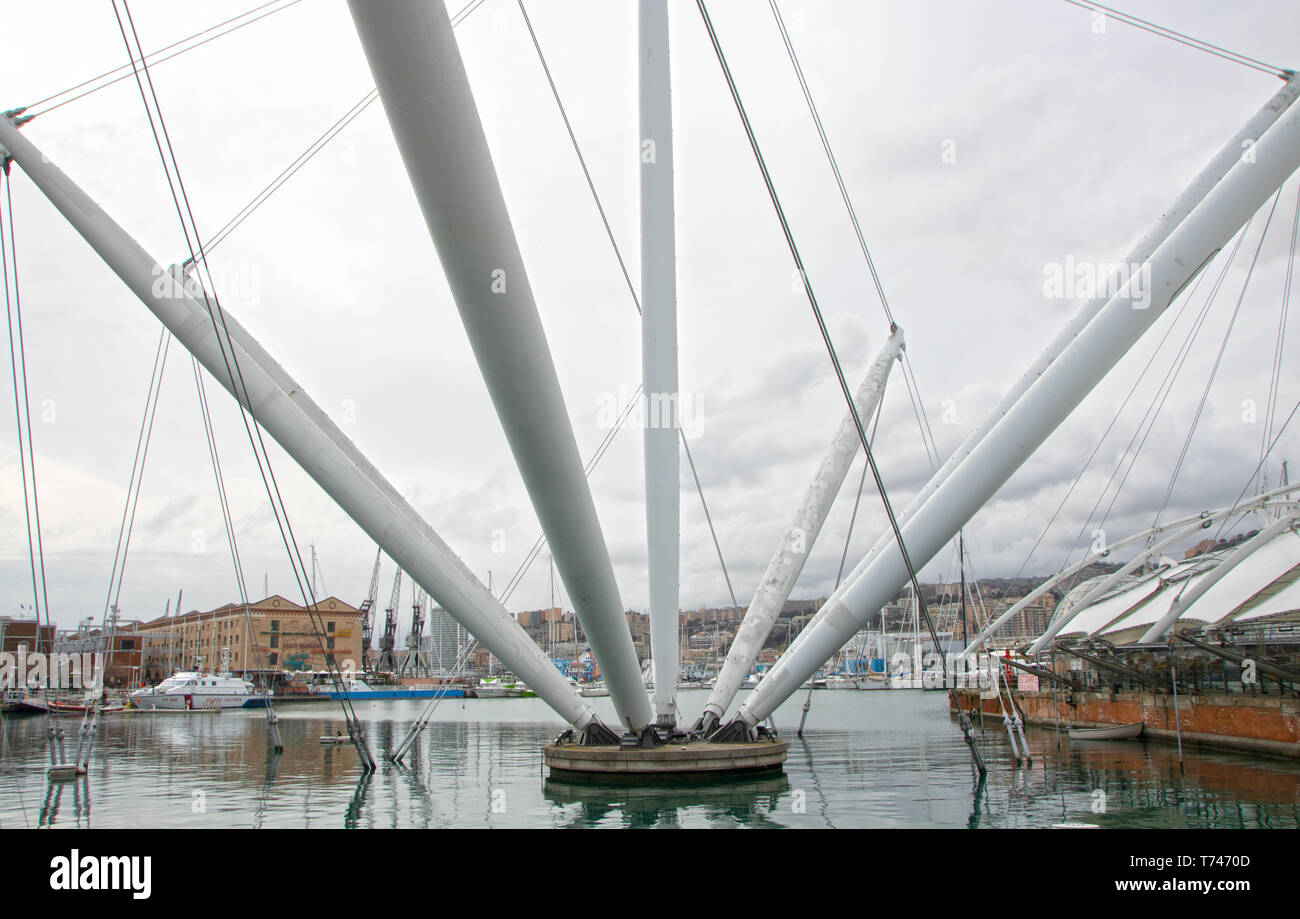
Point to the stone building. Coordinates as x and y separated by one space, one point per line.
274 634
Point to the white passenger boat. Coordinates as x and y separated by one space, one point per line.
190 690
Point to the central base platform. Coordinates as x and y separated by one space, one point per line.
698 759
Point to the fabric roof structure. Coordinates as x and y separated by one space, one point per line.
1264 585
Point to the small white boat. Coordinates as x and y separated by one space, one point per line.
593 690
877 681
495 688
1118 732
190 690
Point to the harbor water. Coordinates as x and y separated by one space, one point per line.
867 759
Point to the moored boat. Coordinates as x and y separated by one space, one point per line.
189 690
11 700
58 707
496 688
873 681
1117 732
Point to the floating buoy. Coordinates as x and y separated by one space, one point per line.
65 773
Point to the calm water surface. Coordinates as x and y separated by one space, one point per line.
868 759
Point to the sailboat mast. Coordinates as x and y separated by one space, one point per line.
918 649
961 554
659 355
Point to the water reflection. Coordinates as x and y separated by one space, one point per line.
978 804
734 800
358 803
816 782
866 760
272 771
54 790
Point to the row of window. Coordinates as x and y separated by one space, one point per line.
275 626
329 642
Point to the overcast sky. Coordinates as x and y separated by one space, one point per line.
1068 142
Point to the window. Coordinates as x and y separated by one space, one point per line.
275 625
329 643
275 641
273 659
329 627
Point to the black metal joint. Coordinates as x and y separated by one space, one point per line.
735 731
596 734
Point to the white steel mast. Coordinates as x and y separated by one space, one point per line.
1157 233
1043 406
285 411
788 560
659 356
422 82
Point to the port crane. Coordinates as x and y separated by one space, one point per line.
414 656
367 613
387 657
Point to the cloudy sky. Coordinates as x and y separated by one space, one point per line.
1068 142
